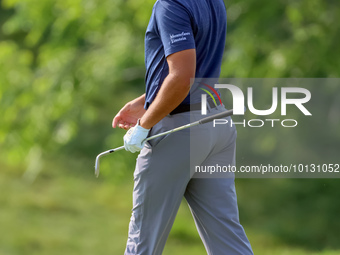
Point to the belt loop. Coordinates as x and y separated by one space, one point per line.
209 107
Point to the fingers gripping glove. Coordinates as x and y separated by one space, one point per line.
134 137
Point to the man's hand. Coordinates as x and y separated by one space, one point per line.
133 139
127 117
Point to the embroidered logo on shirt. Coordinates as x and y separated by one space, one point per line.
179 37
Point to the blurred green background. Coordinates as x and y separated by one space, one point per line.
68 66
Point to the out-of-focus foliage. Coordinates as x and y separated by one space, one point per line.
294 38
67 66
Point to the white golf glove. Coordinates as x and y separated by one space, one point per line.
134 137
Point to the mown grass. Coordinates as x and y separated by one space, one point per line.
71 212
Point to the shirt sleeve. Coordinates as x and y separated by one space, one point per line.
174 27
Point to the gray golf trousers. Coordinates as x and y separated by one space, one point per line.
162 178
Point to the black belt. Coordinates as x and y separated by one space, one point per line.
192 107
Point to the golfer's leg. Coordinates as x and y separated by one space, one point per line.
214 207
213 203
161 177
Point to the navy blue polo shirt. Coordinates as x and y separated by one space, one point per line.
177 25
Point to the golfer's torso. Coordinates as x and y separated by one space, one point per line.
179 25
